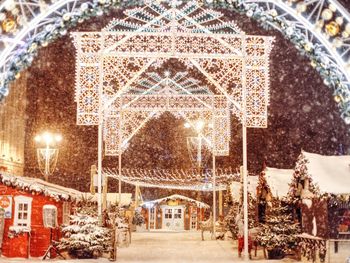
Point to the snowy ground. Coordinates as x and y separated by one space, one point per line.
172 247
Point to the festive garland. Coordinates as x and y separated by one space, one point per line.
34 188
331 75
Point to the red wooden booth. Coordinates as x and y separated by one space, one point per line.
175 212
22 229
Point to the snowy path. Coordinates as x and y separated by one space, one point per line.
180 248
170 247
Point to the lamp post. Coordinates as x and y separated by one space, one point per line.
47 152
199 126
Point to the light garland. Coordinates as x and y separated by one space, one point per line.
176 178
25 52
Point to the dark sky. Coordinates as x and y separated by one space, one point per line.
302 115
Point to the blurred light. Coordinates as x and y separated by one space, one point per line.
187 125
48 138
58 137
37 138
199 125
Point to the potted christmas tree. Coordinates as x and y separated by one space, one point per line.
278 233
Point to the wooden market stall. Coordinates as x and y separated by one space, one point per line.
174 213
32 208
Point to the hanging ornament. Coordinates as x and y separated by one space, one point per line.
339 20
9 25
332 7
347 28
338 42
327 14
332 29
337 98
301 7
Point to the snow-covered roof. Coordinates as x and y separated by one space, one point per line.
331 173
113 198
37 185
252 184
177 197
278 180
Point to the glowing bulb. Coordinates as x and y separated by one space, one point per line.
47 137
187 125
58 137
199 125
37 138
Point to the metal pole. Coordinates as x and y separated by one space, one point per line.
120 153
221 213
120 176
47 163
245 193
214 196
99 171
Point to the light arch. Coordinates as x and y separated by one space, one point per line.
319 28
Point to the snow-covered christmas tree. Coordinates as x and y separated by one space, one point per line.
278 233
235 212
302 182
84 238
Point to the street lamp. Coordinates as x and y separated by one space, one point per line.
47 152
195 144
199 125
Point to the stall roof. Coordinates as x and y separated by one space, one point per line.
279 180
37 185
331 173
113 198
175 197
252 184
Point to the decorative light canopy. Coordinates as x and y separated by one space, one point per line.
112 63
175 179
320 29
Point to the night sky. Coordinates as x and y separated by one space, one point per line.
302 115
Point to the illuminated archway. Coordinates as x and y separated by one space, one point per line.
319 28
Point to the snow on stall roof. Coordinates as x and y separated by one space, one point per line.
38 185
114 198
331 173
252 184
278 180
175 197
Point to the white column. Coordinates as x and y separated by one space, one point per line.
245 193
245 162
214 196
120 153
120 176
99 172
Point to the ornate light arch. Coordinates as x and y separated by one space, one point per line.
319 28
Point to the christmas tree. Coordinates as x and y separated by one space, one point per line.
301 183
84 238
278 233
236 212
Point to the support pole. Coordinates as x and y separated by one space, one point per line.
221 212
120 153
99 172
120 178
245 193
214 197
105 191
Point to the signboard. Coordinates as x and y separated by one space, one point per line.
6 204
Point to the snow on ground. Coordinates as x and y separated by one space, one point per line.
172 247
